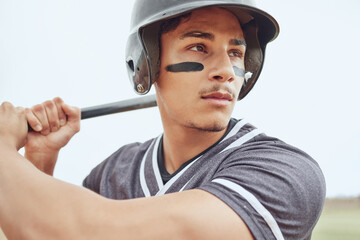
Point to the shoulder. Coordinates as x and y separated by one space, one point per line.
250 144
260 170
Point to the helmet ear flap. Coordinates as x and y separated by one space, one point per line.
137 65
152 49
254 57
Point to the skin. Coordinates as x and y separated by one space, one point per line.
54 123
201 119
43 207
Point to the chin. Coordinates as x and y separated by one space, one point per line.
210 124
216 127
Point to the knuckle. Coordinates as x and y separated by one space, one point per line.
39 108
48 104
58 100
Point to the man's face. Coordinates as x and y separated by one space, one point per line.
202 70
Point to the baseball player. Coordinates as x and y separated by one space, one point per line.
208 176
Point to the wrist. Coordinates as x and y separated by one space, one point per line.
44 161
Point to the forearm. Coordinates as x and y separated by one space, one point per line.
45 162
193 214
36 206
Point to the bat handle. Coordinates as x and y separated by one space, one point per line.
120 106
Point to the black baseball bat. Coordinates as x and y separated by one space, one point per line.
117 107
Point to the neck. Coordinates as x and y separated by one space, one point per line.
181 143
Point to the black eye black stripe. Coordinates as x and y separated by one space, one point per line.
240 72
195 67
185 67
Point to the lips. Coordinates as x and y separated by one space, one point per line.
218 96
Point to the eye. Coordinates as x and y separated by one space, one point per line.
236 53
198 48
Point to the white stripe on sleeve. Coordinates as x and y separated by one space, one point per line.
182 189
243 139
235 129
269 219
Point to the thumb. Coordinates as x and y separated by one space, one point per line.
73 116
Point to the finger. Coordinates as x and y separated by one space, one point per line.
40 113
32 120
52 115
62 116
73 114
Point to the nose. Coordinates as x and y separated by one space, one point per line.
222 68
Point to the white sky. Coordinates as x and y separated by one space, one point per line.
307 94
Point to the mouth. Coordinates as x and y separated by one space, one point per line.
218 95
219 98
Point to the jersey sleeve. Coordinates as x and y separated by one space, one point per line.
94 179
276 189
105 178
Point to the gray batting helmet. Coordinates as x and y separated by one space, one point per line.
142 50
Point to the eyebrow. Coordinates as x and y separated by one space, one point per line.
198 34
237 42
210 36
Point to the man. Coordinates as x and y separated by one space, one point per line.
207 177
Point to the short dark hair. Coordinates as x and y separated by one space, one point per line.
172 24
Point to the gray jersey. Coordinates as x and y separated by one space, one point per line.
276 189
